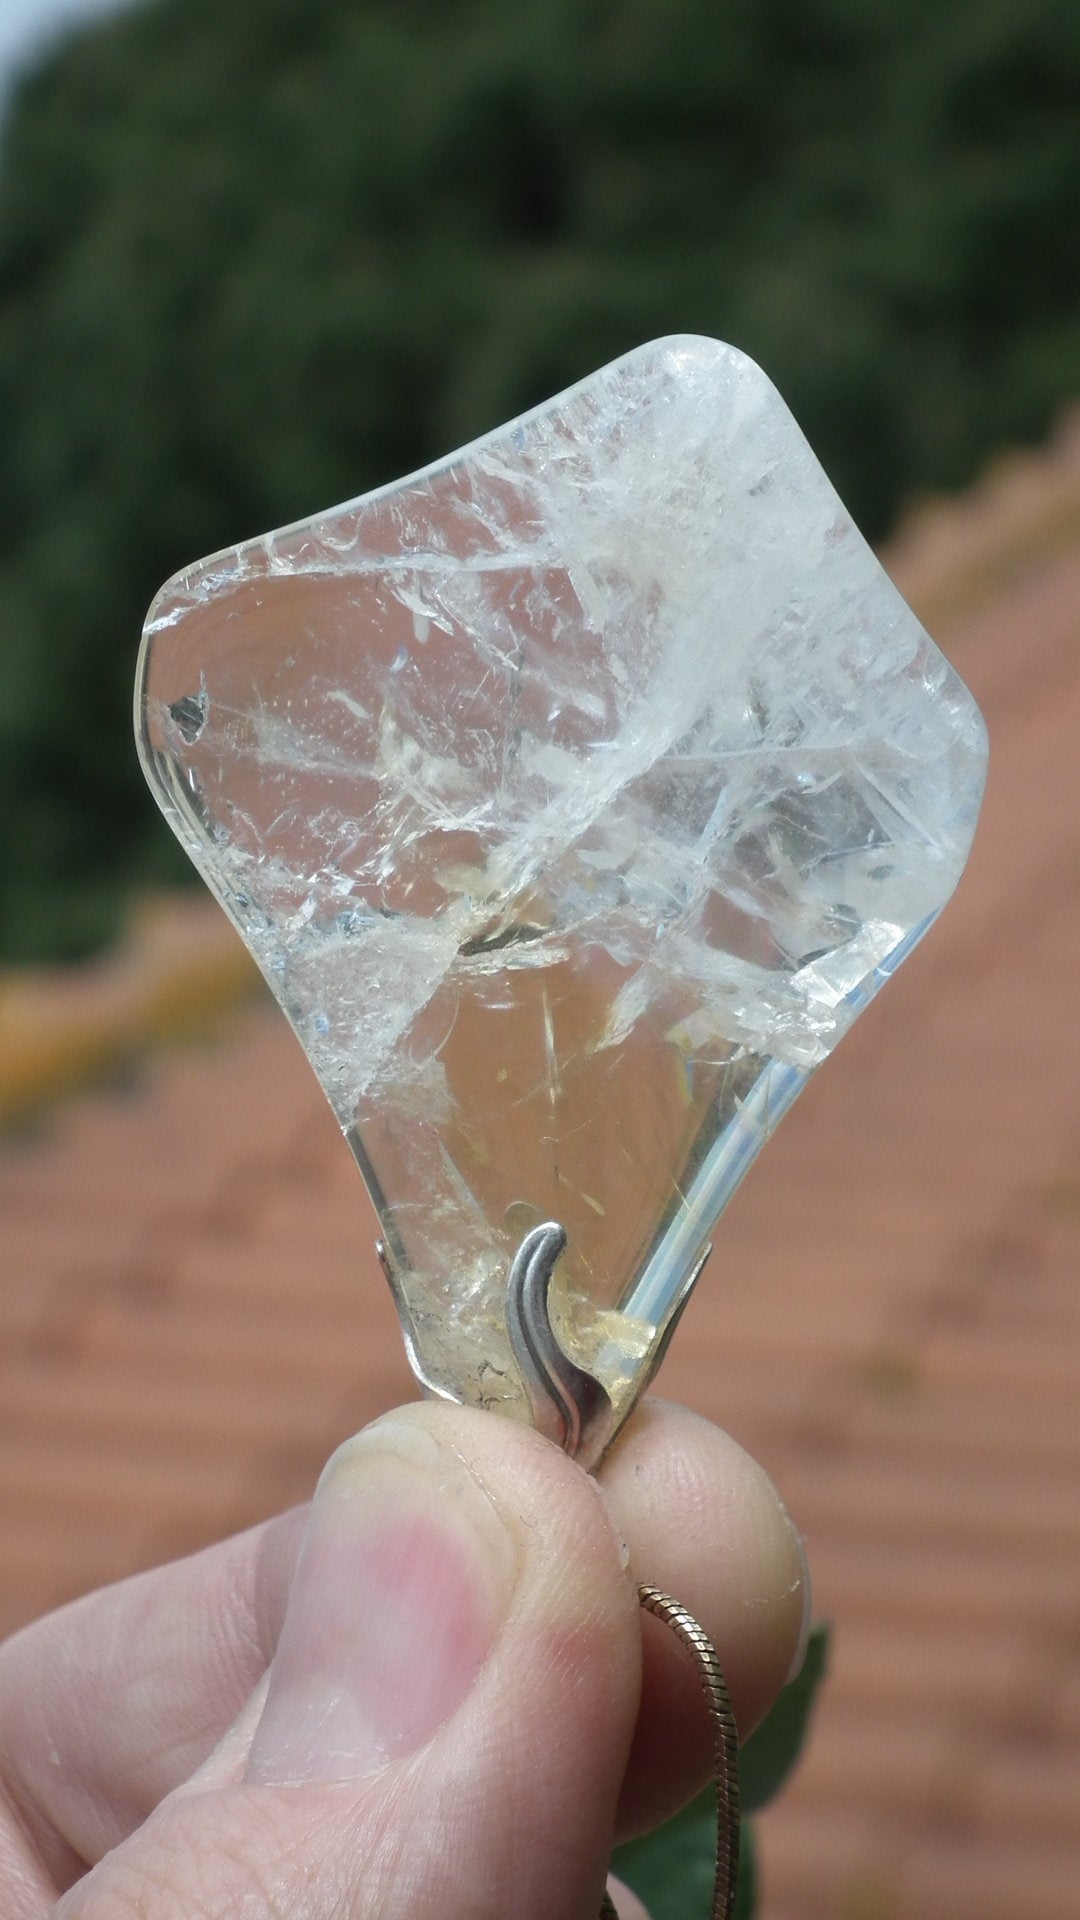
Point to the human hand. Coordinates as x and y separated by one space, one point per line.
465 1707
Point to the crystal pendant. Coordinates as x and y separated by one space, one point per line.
573 795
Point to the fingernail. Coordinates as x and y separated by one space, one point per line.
805 1624
405 1573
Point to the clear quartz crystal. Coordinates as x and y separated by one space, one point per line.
574 795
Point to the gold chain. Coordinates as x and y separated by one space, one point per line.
725 1747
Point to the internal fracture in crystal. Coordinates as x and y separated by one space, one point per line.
574 795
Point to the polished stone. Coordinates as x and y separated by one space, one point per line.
574 795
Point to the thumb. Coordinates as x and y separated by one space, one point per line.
448 1714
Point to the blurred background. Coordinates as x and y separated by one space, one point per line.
260 257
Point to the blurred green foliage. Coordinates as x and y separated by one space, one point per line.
260 256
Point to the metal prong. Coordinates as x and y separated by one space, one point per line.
408 1329
568 1404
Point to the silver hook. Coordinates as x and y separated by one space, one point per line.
568 1405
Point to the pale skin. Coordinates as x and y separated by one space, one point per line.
464 1707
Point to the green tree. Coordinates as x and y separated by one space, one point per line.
255 258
